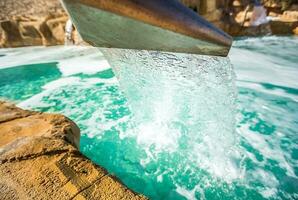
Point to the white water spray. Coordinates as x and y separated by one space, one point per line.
181 102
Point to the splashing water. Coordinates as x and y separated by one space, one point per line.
180 102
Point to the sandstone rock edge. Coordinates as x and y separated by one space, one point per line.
39 159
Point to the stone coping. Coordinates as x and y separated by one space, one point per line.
39 159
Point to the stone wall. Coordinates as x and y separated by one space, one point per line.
32 30
38 8
31 22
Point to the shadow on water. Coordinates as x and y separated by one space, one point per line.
13 80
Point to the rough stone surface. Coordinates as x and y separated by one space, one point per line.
238 30
32 22
283 28
33 30
39 159
295 31
38 8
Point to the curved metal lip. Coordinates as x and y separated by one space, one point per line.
166 14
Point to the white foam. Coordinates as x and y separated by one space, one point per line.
268 192
189 194
262 68
268 147
61 83
70 59
89 64
36 100
270 183
258 87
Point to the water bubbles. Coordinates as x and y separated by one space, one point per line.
183 107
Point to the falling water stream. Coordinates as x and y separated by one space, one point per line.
183 108
181 105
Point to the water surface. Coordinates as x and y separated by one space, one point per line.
197 160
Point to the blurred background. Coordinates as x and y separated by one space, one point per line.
43 22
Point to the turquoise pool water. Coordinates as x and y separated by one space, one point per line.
79 83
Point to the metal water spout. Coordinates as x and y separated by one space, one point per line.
162 25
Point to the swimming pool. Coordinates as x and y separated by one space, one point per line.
79 83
